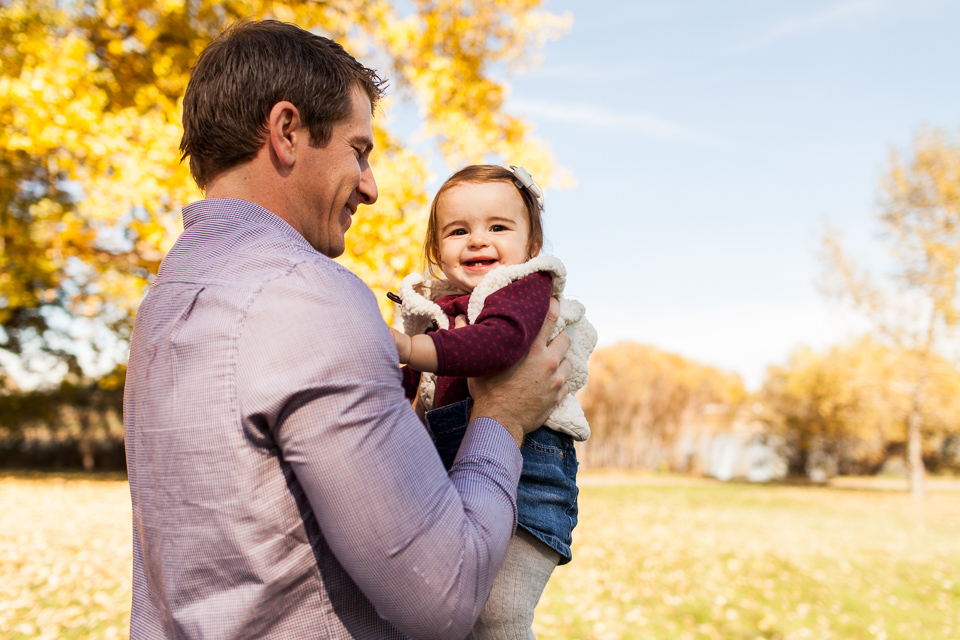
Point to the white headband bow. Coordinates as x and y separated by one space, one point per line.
525 181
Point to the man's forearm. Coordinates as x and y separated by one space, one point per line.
422 545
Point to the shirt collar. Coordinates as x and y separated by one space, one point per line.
240 210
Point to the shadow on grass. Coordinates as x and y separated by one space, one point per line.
59 474
608 477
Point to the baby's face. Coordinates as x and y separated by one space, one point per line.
480 226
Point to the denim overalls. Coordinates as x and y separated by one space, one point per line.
547 495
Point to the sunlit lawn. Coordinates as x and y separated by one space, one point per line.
706 560
64 557
653 558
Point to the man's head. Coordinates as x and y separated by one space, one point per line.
247 70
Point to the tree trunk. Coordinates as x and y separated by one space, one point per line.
915 453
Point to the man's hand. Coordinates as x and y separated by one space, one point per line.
522 397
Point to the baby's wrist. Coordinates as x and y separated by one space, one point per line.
423 354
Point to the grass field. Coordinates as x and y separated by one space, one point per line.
653 558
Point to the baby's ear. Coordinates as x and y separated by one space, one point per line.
535 250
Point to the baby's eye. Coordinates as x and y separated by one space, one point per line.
458 232
498 227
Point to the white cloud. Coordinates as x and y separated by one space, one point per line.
837 14
586 72
590 116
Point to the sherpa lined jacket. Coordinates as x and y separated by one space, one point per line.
421 312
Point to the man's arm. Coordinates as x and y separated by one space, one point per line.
423 546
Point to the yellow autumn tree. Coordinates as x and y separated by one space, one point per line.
916 310
853 402
90 99
639 399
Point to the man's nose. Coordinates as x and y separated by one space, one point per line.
368 187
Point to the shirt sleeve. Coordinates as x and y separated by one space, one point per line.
501 335
422 545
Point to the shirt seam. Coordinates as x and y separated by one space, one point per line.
252 299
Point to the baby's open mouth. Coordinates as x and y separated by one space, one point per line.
479 263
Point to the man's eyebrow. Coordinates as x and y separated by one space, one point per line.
365 143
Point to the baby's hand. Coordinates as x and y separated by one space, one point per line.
404 345
416 351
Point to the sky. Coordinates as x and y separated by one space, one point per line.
711 142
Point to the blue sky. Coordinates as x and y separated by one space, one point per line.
712 141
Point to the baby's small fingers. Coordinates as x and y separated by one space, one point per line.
459 322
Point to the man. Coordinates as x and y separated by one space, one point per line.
281 484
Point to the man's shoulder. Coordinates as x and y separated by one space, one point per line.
313 272
246 254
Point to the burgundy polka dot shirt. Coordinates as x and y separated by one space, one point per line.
502 334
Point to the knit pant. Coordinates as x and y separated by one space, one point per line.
508 614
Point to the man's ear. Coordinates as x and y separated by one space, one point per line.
284 133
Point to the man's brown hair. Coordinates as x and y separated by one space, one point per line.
474 174
248 69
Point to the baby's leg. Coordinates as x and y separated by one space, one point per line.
508 614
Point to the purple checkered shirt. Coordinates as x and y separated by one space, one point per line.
282 486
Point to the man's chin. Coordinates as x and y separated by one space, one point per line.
346 219
334 248
337 248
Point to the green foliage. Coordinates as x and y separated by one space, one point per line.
44 408
76 424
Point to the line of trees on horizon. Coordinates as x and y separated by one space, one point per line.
849 405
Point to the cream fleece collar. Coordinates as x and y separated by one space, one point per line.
420 313
418 294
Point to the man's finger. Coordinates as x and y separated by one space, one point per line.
559 345
564 369
553 314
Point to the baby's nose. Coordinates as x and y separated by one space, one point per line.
479 239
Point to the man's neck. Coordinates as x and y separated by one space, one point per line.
249 182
